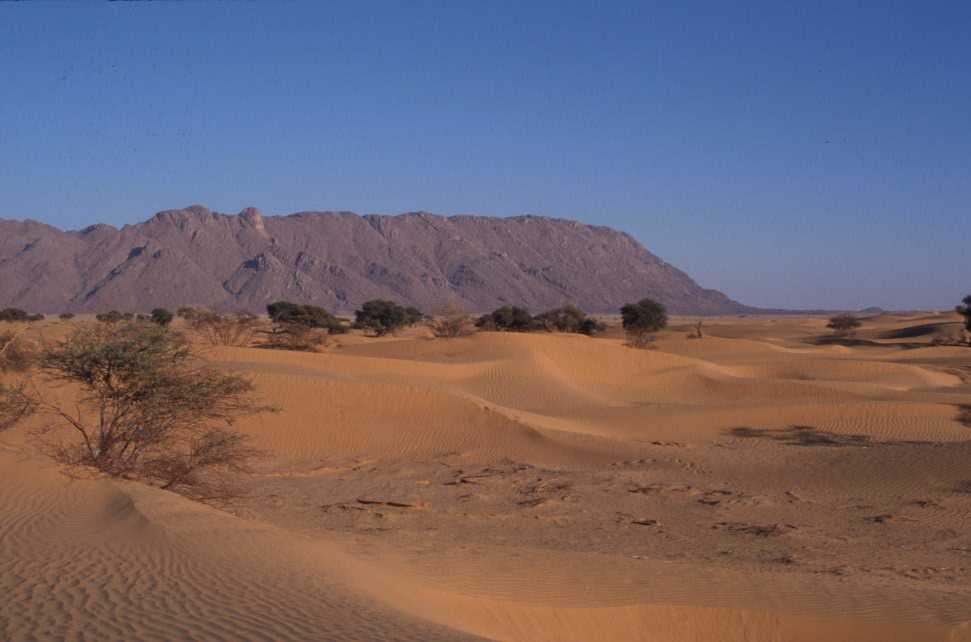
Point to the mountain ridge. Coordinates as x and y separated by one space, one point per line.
338 259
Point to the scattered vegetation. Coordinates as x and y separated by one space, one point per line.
844 325
148 408
641 320
17 315
114 316
508 318
13 314
382 317
452 322
65 316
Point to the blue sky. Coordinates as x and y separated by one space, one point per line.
790 154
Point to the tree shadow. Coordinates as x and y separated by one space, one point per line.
812 436
964 415
851 342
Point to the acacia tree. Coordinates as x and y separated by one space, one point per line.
147 408
568 318
642 319
507 318
384 317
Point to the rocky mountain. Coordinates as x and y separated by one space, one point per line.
193 256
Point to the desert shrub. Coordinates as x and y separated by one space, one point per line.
452 322
507 318
161 316
293 336
568 318
112 316
382 317
310 316
591 326
843 324
14 314
697 332
65 316
15 404
641 320
148 408
235 329
16 354
965 310
35 317
186 312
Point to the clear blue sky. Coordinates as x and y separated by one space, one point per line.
790 154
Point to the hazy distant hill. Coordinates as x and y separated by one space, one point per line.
337 260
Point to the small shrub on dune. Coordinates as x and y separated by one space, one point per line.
452 322
641 320
148 408
65 316
508 318
382 317
844 325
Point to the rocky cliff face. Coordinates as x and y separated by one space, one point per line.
337 260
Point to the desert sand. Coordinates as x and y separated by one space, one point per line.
761 483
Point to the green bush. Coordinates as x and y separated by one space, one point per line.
642 319
112 316
310 316
161 316
382 316
568 318
66 316
508 318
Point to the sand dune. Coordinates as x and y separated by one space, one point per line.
752 485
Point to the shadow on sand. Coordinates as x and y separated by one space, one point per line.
812 436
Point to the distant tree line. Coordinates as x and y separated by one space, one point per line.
13 315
